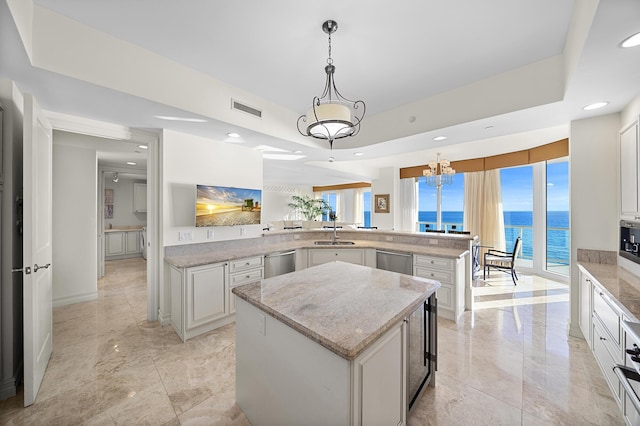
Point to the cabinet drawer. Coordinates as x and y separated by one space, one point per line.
245 277
605 360
243 264
606 312
320 256
434 274
434 262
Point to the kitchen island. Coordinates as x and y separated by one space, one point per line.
328 345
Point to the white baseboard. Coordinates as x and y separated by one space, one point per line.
9 386
77 298
165 319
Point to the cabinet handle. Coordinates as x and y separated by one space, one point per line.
336 254
432 262
603 338
248 276
247 264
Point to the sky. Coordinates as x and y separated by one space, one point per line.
517 190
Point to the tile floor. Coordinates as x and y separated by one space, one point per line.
509 362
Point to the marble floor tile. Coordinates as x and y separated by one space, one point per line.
509 362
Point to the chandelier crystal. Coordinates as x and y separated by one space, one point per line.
331 116
439 172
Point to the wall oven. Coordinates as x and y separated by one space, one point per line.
629 374
630 240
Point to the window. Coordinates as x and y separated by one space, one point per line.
452 204
367 208
557 184
517 203
332 199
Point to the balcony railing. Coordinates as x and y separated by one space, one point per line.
557 240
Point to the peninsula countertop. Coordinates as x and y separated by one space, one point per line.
341 306
231 253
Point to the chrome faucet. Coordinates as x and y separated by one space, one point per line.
333 217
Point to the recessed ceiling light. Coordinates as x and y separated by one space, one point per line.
297 151
595 106
488 127
439 138
233 135
358 154
187 119
631 41
143 146
131 163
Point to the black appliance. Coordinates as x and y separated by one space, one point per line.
422 347
630 240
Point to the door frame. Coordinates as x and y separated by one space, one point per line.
73 124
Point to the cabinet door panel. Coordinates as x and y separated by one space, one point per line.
115 243
629 170
133 242
318 257
206 296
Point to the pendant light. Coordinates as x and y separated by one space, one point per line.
331 116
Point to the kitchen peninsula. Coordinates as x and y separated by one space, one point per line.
329 344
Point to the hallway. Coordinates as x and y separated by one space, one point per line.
510 362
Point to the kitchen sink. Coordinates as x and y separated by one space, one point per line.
334 243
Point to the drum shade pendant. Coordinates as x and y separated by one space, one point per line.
331 116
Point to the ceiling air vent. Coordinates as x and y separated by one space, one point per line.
238 106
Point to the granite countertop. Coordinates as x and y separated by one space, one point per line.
341 306
187 261
622 285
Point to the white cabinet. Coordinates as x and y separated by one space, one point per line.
243 271
140 197
585 307
132 242
320 256
606 332
122 244
276 366
199 299
114 243
450 273
629 176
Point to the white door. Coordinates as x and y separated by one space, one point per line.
38 328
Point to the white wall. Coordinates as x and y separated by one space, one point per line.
75 240
275 200
388 182
191 160
123 214
593 150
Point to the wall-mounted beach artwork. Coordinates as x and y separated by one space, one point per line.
227 206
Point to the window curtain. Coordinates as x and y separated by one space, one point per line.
358 206
483 213
408 204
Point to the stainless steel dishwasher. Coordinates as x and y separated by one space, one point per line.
279 263
394 261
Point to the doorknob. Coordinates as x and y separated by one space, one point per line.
36 267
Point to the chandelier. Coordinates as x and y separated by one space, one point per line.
331 116
439 172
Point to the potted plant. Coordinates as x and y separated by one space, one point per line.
309 207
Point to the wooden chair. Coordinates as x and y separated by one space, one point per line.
503 261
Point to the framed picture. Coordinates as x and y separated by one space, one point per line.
382 203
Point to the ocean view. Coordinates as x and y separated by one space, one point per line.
516 223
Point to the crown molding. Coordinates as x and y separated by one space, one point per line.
85 126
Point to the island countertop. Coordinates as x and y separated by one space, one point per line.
342 306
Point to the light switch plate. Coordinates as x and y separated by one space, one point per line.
185 235
389 238
210 234
433 241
